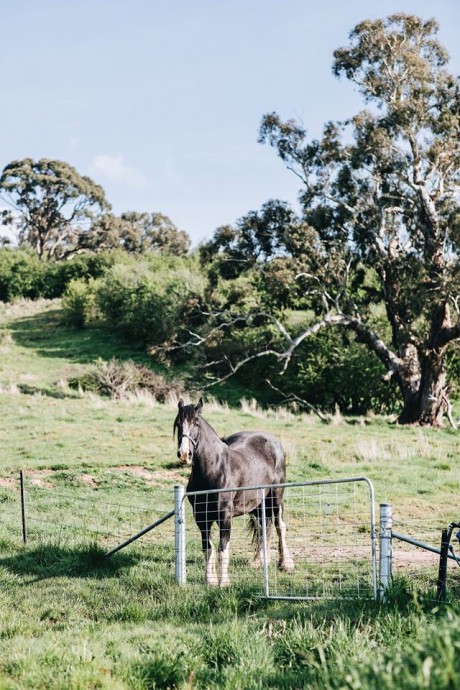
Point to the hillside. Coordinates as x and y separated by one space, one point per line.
72 619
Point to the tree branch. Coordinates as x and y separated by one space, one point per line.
291 397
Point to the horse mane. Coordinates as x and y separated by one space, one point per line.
185 412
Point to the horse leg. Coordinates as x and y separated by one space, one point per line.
286 562
258 561
225 524
209 553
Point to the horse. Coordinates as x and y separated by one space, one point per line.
246 458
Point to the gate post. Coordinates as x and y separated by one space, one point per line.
385 535
264 540
442 573
179 533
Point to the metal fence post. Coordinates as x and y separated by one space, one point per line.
386 525
23 506
264 541
442 573
179 532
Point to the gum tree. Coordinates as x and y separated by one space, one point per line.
137 233
381 190
52 205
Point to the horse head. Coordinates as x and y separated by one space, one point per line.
187 424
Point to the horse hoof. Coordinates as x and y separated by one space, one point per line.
225 583
286 566
212 582
257 563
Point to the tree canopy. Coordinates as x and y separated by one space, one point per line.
137 233
52 204
60 213
379 194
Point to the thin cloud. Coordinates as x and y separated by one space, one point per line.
114 169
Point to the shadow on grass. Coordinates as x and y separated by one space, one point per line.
50 560
47 334
25 389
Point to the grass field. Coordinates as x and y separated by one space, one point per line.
73 619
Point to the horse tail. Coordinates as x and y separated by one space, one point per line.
255 525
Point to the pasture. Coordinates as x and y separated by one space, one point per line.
74 619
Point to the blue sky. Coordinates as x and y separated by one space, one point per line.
160 101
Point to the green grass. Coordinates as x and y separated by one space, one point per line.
72 619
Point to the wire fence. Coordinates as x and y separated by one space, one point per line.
329 527
85 515
330 530
418 564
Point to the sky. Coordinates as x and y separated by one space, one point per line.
160 101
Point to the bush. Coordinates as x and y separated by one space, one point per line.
79 303
117 379
59 274
23 275
148 300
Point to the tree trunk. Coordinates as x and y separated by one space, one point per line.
423 385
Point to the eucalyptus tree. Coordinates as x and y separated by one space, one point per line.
380 194
147 232
51 205
138 233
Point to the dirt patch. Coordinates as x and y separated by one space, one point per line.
32 477
136 470
37 478
151 478
170 476
8 483
414 558
411 558
89 480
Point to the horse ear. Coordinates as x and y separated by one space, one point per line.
199 405
180 404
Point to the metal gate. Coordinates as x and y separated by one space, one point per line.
330 533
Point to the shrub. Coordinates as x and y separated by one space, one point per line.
79 303
22 274
148 301
117 379
59 274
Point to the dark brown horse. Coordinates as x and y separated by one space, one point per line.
247 458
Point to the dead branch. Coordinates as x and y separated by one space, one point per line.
291 397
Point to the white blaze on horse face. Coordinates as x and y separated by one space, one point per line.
185 452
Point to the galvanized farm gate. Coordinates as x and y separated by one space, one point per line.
331 535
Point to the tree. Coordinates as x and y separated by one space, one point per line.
153 232
52 205
138 233
104 234
380 194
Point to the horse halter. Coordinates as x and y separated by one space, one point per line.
193 443
188 418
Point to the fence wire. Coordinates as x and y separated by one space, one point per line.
87 516
418 564
330 535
